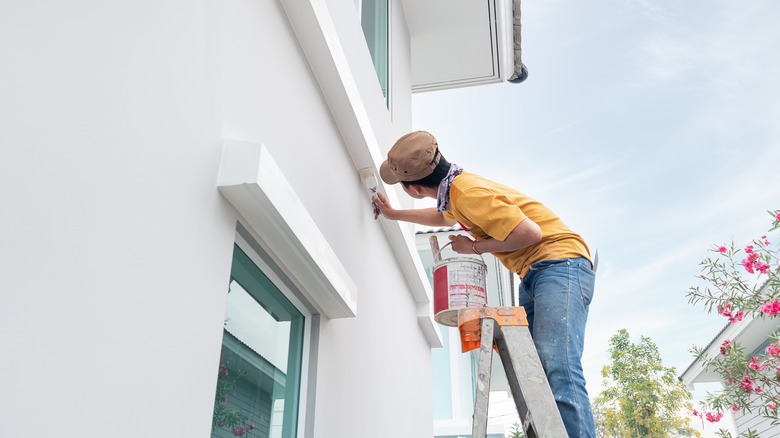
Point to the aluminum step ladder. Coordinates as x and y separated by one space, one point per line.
505 329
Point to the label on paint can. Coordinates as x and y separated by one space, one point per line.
457 283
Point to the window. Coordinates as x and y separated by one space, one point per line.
258 385
375 20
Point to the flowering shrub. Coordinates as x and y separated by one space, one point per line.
224 416
741 282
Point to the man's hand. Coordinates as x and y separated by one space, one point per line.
383 204
462 244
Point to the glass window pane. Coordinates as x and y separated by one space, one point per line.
375 22
258 383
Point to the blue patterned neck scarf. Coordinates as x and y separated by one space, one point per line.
443 196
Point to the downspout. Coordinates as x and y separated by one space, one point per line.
520 71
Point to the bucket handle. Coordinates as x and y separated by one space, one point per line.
437 256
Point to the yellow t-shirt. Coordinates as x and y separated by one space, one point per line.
488 209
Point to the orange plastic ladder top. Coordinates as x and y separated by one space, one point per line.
470 322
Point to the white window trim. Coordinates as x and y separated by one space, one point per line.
252 181
305 391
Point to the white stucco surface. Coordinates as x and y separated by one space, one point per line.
116 245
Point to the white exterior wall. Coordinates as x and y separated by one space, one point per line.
116 246
744 421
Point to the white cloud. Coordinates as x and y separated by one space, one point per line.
718 47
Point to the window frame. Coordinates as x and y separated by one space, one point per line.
308 354
389 49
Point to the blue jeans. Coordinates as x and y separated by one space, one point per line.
556 295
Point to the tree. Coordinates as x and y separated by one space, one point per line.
641 397
516 432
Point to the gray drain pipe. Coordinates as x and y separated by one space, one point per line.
520 72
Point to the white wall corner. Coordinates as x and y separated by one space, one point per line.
254 184
405 248
428 325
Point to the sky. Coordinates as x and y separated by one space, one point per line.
652 128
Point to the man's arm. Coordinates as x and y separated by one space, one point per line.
422 216
525 234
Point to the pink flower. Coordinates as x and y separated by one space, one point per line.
725 347
725 310
751 261
771 309
696 413
755 365
722 249
252 426
772 406
734 408
773 350
737 317
714 418
747 384
777 218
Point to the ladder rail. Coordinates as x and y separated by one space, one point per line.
514 389
479 425
530 389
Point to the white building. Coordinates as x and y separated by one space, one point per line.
160 154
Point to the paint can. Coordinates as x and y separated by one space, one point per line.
458 282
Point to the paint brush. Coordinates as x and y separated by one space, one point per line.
435 249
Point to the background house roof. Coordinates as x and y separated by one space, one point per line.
750 334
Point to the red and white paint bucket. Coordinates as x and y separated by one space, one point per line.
458 282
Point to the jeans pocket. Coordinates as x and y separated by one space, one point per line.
587 280
545 264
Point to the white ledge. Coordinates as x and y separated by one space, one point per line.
252 181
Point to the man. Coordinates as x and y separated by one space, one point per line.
553 262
